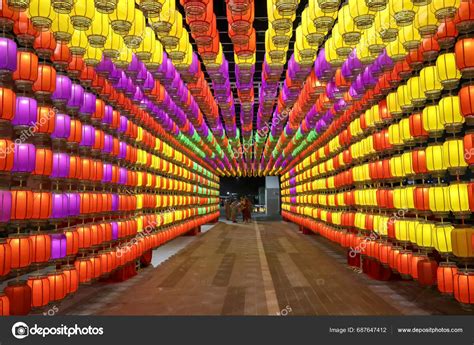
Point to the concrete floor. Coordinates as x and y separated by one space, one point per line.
262 268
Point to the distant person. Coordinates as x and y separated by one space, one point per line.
247 210
234 209
227 207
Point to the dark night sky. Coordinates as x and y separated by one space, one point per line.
242 185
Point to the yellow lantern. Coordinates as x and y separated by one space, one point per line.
403 11
135 35
407 162
434 159
459 198
430 83
122 17
418 97
156 58
409 37
62 28
124 58
322 19
92 56
78 43
363 53
448 73
432 121
179 52
439 199
393 106
386 25
41 14
402 230
105 6
331 53
62 6
147 45
346 26
403 97
450 114
286 7
394 136
425 21
462 242
305 50
329 5
314 37
453 156
424 234
396 51
444 9
442 238
82 14
363 17
99 30
113 45
396 167
275 52
374 40
152 8
405 134
280 22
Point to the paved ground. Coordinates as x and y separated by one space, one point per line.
262 268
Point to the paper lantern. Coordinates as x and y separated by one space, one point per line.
82 14
463 286
45 84
21 250
40 290
27 69
84 270
448 73
442 238
432 121
57 285
465 17
98 31
466 99
19 295
41 14
122 18
444 9
450 114
24 30
462 242
5 257
427 270
41 205
58 246
453 156
71 278
465 56
430 82
135 35
4 305
445 275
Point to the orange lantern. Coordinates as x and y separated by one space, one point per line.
26 72
40 290
45 84
464 286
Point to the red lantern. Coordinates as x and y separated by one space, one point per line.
8 16
465 17
58 286
4 305
40 295
45 44
44 162
19 295
61 57
21 250
76 66
42 205
8 104
447 33
41 244
465 57
45 84
71 278
446 273
84 270
5 257
24 30
26 72
466 99
72 241
464 286
22 204
427 271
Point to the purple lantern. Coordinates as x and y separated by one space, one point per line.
107 176
26 111
122 176
115 231
88 136
77 97
88 105
62 127
115 202
58 246
63 91
5 205
123 124
74 204
24 158
108 143
59 205
61 165
8 50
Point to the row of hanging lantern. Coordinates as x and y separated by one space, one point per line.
95 124
96 260
371 142
425 25
381 258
